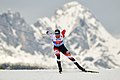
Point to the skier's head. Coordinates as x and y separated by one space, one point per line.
57 33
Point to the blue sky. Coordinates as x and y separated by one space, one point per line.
107 11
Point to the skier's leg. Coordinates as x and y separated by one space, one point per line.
81 68
74 61
59 66
57 53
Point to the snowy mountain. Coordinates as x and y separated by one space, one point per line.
86 38
16 32
19 47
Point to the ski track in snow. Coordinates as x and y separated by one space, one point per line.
71 74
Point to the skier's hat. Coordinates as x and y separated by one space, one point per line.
57 31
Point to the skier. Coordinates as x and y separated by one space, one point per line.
57 39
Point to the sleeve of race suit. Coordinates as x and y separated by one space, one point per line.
63 32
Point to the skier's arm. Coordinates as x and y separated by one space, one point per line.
63 32
49 34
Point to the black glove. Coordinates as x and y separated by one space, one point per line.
47 32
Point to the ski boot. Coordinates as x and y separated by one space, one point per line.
81 68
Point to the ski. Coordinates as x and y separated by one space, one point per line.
92 71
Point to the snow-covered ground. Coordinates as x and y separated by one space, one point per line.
71 74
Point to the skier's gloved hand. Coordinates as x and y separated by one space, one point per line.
63 32
47 32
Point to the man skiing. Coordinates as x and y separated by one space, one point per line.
57 39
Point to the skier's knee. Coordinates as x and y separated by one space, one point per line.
67 53
69 56
57 53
